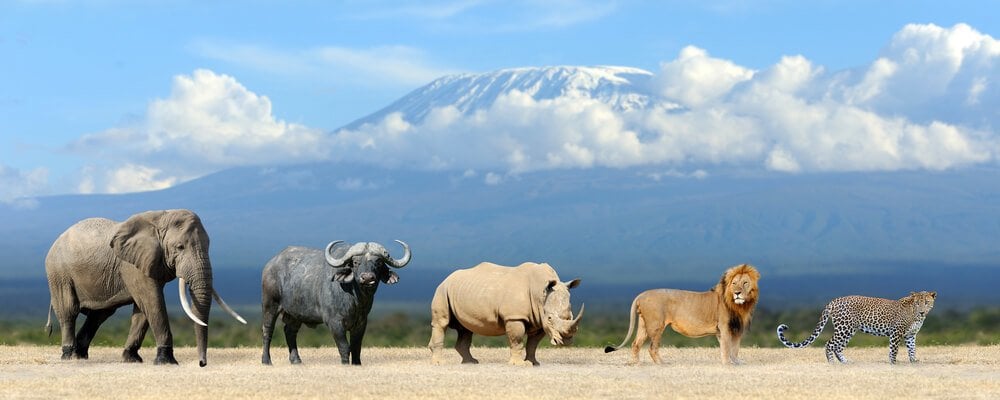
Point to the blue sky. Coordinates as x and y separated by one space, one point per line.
79 77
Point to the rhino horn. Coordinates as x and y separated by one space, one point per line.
576 321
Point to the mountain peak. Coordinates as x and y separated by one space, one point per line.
622 88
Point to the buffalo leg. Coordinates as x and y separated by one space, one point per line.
269 316
291 337
463 344
531 346
357 336
340 337
515 336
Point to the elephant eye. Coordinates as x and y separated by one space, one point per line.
180 246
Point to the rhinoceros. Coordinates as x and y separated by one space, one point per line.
525 302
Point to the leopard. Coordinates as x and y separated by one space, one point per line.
900 320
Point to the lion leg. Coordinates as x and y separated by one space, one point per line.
640 338
734 350
655 335
724 339
729 347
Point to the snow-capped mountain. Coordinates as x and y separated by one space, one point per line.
623 88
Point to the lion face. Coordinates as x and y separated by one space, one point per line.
741 285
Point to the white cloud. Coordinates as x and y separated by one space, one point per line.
793 116
17 187
209 122
694 78
136 178
927 102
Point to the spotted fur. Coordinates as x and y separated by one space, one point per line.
900 320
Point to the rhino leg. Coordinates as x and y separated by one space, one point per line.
463 344
531 346
439 325
515 336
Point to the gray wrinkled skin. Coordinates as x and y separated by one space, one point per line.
98 265
305 286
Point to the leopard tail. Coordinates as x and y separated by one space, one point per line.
819 329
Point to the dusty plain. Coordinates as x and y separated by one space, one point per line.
36 372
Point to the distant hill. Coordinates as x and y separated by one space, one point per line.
609 226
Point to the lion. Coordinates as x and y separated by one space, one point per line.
724 311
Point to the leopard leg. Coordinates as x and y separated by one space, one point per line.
835 347
893 347
911 347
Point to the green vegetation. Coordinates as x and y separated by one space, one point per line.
411 328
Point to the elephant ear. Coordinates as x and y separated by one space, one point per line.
137 242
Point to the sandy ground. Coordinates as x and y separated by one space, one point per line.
944 372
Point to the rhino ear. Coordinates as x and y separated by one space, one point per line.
550 285
573 283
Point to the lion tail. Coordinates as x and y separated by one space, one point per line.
819 329
631 328
48 322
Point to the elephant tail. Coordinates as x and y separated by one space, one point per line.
48 322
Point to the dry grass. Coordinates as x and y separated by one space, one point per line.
945 372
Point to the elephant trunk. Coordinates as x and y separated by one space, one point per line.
200 284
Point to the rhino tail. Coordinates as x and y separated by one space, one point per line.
631 328
48 322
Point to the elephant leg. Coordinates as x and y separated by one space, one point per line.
67 308
515 336
463 344
291 328
340 337
357 336
136 334
532 345
270 316
148 296
83 338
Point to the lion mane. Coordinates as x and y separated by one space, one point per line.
724 311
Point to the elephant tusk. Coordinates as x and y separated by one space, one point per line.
218 299
184 303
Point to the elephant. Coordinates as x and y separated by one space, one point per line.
98 265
